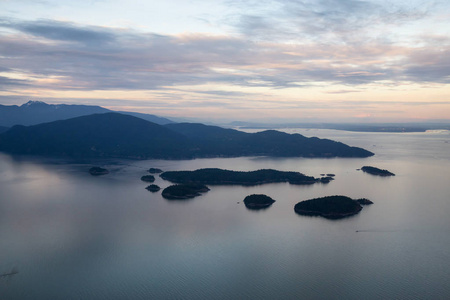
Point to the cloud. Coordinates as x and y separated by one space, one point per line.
61 31
6 82
66 56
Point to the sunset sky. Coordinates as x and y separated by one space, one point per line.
324 60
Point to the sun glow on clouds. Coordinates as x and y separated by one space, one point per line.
296 59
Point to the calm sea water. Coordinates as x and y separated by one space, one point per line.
74 236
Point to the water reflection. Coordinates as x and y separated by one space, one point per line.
75 236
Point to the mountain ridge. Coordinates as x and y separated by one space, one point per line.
37 112
125 136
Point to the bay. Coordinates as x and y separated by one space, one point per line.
74 236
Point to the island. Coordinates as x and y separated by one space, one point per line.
376 171
153 188
148 178
154 171
96 171
184 191
330 207
214 176
326 179
258 201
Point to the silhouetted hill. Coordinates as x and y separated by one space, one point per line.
118 135
3 129
217 141
37 112
98 135
147 117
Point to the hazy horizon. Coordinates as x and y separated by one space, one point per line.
322 60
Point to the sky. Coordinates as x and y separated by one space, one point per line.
291 60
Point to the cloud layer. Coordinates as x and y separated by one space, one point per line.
279 45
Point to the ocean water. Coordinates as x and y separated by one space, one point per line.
74 236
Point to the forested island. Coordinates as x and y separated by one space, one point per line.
376 171
96 171
258 201
330 207
183 191
155 171
153 188
215 176
148 178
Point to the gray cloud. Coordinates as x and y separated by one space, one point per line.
108 58
62 31
6 82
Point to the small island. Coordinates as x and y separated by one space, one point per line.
330 207
155 171
184 191
153 188
326 179
96 171
148 178
376 171
258 201
214 176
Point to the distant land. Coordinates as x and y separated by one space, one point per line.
37 112
125 136
357 127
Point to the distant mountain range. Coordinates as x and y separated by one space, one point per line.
37 112
125 136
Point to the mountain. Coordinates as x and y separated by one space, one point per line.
37 112
217 141
118 135
97 135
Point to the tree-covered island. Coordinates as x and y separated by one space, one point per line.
376 171
330 207
96 171
184 191
153 188
155 171
258 201
215 176
148 178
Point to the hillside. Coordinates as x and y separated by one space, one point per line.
118 135
217 141
98 135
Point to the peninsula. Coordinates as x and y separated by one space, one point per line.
330 207
376 171
215 176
